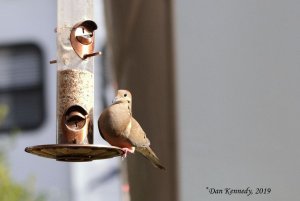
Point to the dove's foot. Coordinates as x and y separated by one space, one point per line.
126 150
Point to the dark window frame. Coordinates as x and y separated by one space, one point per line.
28 89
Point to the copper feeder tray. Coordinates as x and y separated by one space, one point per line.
75 152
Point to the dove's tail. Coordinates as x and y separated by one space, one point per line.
150 155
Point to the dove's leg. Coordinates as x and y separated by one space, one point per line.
126 150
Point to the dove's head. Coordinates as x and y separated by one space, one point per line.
123 96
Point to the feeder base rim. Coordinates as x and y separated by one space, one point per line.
75 152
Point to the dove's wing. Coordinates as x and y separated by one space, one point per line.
139 139
137 135
148 153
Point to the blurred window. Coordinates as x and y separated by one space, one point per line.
21 87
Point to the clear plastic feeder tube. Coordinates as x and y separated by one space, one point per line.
75 78
71 12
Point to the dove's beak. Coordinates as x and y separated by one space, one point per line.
116 99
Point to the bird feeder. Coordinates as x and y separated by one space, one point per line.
75 87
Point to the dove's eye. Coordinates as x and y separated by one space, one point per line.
125 95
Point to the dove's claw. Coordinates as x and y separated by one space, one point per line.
126 150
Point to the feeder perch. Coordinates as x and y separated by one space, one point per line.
75 87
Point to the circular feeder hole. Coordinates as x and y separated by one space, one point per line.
75 117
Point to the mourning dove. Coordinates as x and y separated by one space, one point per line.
120 129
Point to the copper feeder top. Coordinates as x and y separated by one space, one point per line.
75 152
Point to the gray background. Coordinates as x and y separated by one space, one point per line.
238 71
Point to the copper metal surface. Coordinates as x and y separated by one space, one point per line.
75 152
83 39
53 61
76 127
92 55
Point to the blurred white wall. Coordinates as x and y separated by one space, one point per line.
238 78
